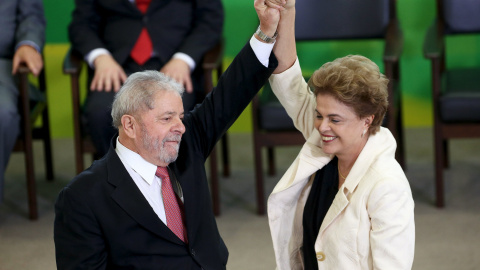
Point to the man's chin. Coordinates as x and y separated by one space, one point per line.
170 158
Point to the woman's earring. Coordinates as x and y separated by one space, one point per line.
364 131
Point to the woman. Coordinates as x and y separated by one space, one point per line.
345 202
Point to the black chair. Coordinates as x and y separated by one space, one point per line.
321 20
455 90
272 127
211 65
33 106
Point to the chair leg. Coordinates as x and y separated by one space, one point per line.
214 186
446 161
439 165
225 156
47 145
28 148
259 179
271 161
31 184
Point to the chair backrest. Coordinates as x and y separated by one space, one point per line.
459 16
342 19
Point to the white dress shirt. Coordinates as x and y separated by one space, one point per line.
143 174
261 49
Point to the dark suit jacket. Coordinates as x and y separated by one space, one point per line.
104 222
188 26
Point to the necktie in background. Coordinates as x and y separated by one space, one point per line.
172 209
143 48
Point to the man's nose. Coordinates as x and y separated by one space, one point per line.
180 127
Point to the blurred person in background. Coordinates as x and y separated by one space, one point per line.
119 37
21 41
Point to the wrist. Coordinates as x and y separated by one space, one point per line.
288 19
288 12
268 37
99 59
28 44
92 55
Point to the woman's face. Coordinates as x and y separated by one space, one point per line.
340 127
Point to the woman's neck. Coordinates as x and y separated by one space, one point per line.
345 164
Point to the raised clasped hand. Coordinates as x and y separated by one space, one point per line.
268 14
284 4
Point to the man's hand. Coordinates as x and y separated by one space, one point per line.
285 4
269 16
180 71
28 55
109 75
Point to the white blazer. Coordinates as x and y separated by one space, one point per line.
370 224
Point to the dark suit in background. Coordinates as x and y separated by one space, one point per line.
104 222
22 22
188 26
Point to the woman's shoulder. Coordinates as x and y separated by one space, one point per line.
386 178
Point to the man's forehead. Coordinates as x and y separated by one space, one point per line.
166 94
168 102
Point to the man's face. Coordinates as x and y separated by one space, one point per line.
161 129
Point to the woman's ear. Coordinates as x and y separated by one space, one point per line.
129 125
369 121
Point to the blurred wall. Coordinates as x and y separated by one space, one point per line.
240 23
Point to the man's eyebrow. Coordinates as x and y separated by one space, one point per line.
168 113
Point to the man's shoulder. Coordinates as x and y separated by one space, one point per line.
91 176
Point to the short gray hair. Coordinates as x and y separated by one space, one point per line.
137 93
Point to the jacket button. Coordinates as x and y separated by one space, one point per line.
320 256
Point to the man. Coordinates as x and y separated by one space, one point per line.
21 41
146 204
119 37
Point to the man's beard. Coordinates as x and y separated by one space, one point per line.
153 145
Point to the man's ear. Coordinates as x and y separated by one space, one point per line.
129 125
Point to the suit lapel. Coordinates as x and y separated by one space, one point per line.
310 159
130 198
338 205
191 191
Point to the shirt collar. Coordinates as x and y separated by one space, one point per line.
144 168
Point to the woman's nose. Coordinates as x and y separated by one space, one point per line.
323 125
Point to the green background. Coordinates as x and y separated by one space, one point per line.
240 23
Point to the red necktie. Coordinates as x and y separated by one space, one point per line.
142 50
172 209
